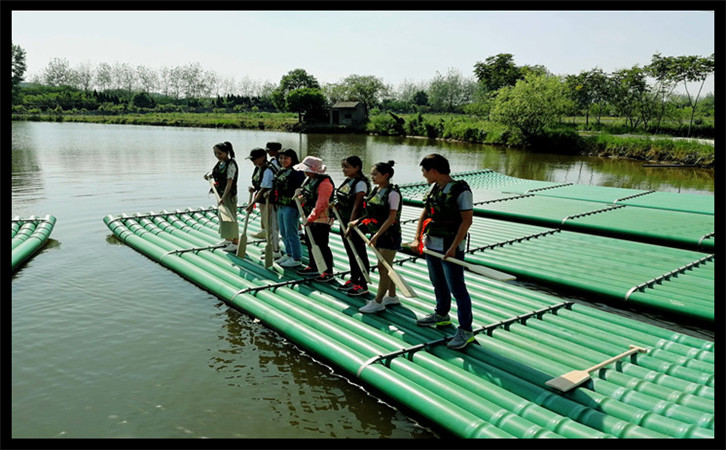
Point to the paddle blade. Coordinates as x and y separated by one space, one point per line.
226 214
569 381
406 290
319 260
268 254
491 273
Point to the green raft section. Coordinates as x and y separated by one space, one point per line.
670 281
678 220
494 389
29 236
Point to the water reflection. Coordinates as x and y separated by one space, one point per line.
295 389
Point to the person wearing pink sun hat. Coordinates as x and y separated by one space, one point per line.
316 194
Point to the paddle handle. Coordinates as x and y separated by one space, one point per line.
222 207
247 217
633 349
350 243
375 250
444 258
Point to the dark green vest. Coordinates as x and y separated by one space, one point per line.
443 209
310 192
219 173
377 210
283 188
345 196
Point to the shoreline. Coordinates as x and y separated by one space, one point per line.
655 151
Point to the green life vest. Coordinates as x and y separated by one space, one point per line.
310 192
345 196
377 210
443 209
219 173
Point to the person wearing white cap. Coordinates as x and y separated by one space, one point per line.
316 193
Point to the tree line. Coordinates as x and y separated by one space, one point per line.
526 98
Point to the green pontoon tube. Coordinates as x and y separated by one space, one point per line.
29 236
669 281
627 216
493 389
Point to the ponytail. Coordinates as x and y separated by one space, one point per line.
225 147
385 168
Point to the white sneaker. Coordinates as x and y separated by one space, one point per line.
230 248
390 300
260 234
282 259
290 263
372 307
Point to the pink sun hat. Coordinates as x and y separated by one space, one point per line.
311 164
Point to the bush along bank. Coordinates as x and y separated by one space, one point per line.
563 139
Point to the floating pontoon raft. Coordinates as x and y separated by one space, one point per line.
29 236
675 282
678 220
494 389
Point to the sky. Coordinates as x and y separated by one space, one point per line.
396 46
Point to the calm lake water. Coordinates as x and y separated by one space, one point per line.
108 344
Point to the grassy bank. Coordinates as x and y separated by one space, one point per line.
565 139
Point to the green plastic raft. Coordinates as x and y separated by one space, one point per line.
494 389
675 282
29 236
613 212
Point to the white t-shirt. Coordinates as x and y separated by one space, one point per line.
465 202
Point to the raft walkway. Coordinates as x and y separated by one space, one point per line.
494 389
674 282
678 220
29 235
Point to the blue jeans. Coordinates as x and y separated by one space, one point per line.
287 218
448 279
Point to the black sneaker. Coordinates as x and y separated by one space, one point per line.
307 271
357 291
325 277
434 320
347 286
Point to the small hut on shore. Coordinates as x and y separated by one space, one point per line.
348 113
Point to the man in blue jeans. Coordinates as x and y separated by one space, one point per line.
442 227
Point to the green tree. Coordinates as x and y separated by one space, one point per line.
629 95
143 100
450 92
294 79
366 89
305 101
18 71
497 72
57 73
689 69
531 105
589 91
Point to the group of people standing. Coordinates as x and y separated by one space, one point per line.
284 187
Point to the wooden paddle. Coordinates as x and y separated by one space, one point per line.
242 240
317 253
341 227
400 283
225 214
571 380
481 270
268 245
